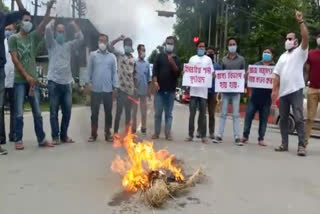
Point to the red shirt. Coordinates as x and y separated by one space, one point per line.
314 62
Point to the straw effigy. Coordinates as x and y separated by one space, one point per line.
160 190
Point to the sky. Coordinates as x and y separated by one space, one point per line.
133 18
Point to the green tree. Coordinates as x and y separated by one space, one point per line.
3 7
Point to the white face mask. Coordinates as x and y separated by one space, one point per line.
102 46
289 44
27 26
232 49
318 41
169 48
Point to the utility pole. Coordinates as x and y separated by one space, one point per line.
36 5
12 5
210 28
73 8
226 28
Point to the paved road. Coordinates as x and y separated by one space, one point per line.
76 179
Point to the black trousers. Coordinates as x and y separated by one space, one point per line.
96 100
8 100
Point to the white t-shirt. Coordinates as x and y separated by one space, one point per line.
290 69
9 68
204 61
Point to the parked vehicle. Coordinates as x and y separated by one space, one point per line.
292 124
183 95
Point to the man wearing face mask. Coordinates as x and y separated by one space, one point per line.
60 77
166 71
9 89
126 73
260 101
143 79
212 97
199 95
5 20
24 47
233 61
313 71
103 78
289 83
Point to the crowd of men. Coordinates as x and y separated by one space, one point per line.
117 75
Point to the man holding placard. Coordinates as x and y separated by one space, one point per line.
289 83
260 80
230 82
200 66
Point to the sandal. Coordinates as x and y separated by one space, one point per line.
204 140
281 149
244 140
154 137
67 140
46 144
261 143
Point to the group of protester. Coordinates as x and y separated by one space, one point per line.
288 86
21 78
114 74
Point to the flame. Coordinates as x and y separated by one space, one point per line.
141 159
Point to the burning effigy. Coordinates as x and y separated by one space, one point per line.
156 174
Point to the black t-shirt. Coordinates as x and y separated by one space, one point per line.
167 77
261 96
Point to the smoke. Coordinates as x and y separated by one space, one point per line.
133 18
137 19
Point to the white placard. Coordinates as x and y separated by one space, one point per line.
229 81
197 75
260 76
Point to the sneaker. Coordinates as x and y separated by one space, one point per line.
204 140
302 151
169 137
198 135
19 145
3 151
217 140
92 139
56 142
211 136
188 139
281 148
238 142
109 138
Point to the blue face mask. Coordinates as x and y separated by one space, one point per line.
60 38
8 33
201 52
266 57
127 49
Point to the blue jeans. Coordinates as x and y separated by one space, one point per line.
60 95
21 91
163 101
2 93
252 109
235 101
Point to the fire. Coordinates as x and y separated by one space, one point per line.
140 161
